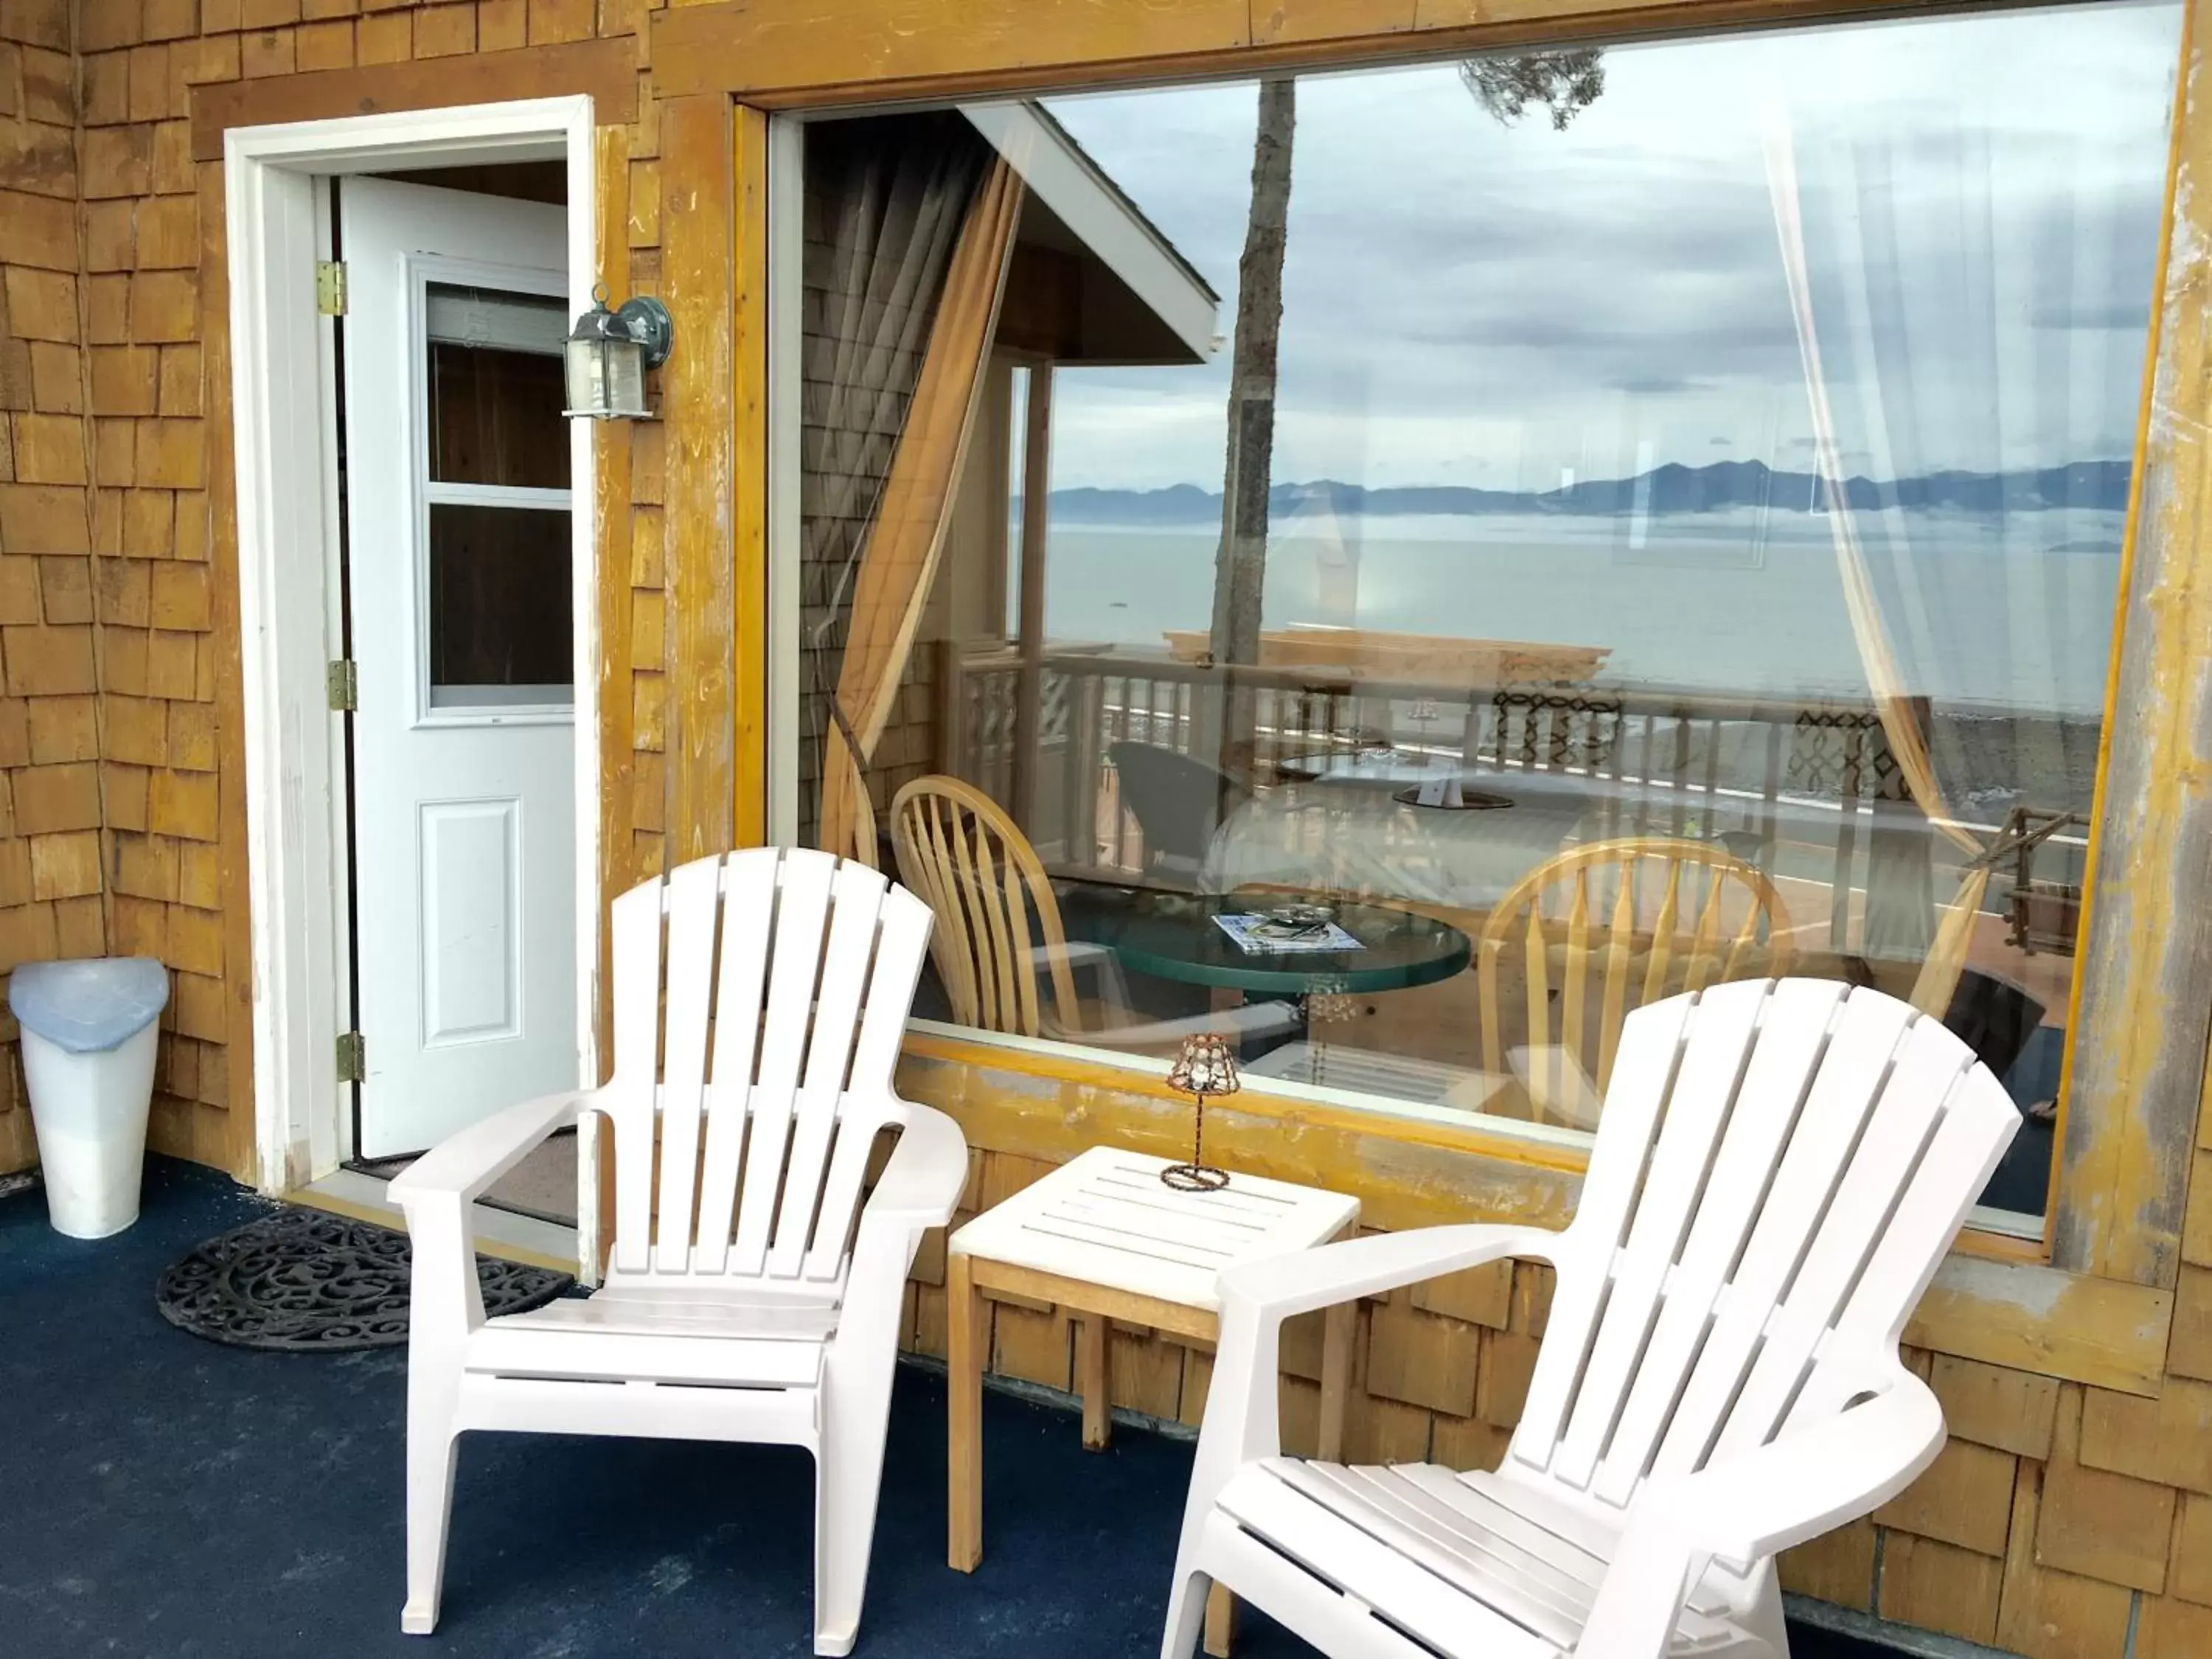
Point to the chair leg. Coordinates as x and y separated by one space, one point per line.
433 1449
1186 1614
848 1470
1765 1619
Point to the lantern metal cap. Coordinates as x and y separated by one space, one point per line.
641 320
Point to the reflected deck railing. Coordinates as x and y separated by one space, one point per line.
1807 773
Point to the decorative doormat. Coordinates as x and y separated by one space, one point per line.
306 1281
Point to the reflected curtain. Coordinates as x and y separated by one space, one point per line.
885 199
902 544
1934 311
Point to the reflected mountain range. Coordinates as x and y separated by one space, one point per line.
2095 486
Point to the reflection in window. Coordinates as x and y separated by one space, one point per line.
1670 531
502 627
498 555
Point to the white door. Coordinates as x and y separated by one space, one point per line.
460 580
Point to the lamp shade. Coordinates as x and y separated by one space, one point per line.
1206 1064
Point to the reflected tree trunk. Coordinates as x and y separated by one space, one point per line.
1241 562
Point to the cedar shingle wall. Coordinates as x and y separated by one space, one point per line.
50 746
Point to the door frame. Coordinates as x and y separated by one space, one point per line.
282 420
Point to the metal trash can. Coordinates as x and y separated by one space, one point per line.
89 1033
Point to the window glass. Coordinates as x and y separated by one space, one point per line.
1525 536
498 550
501 606
495 388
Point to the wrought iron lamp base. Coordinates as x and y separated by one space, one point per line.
1194 1177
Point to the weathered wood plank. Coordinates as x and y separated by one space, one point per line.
218 509
749 578
2136 1071
2038 1319
611 585
697 150
792 52
605 70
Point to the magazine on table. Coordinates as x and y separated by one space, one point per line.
1269 936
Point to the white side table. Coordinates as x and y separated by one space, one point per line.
1104 1239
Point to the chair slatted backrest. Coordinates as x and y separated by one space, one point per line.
759 1002
995 906
1780 1168
1602 929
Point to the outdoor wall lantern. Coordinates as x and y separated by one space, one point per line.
608 354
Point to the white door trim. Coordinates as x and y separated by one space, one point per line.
286 504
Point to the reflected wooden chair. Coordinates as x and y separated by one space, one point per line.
999 945
1601 930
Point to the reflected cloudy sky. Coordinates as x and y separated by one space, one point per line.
1470 304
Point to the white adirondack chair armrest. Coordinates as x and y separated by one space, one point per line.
463 1167
921 1185
1276 1289
1808 1480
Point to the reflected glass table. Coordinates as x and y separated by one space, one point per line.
1173 936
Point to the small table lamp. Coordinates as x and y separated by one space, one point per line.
1205 1066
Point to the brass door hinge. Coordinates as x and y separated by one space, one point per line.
353 1058
344 685
329 288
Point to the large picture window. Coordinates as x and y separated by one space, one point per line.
1404 567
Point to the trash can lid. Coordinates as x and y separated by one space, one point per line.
91 1005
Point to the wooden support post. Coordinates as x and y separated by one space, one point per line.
1091 1371
963 1389
1220 1622
1029 687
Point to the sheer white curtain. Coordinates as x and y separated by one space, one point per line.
1972 341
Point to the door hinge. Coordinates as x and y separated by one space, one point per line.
329 288
344 685
353 1058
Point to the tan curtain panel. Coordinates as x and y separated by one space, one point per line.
900 556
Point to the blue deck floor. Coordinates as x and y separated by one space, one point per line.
159 1495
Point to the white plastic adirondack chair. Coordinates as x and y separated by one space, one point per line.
742 1300
1779 1169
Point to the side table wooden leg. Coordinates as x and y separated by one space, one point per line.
965 1325
1090 1340
1220 1621
1339 1328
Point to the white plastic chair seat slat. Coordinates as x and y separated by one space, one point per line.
1363 1567
730 1313
1532 1516
518 1346
1867 1032
1793 1034
1489 1595
1531 1588
1696 1111
1523 1548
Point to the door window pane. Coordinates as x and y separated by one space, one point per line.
495 388
502 613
